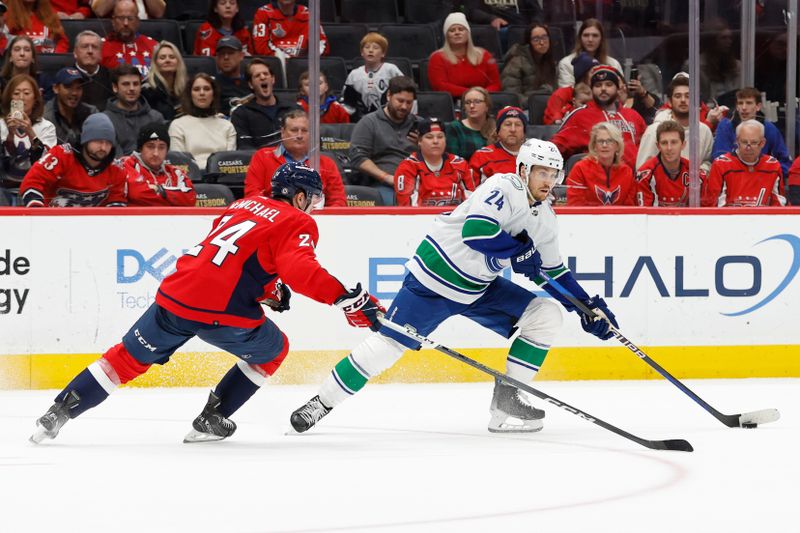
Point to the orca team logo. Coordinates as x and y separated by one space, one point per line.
794 242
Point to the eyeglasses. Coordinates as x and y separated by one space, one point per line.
605 142
542 39
474 102
124 18
747 144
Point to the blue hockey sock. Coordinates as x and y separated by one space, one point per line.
236 387
89 390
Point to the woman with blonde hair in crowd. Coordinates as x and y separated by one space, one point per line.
459 64
38 20
591 39
602 178
166 81
476 128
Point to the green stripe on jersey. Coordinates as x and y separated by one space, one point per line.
349 375
477 228
434 261
527 352
554 273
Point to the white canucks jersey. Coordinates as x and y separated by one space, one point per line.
447 266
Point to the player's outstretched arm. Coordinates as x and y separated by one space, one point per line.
361 308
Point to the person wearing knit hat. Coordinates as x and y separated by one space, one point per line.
152 181
582 65
431 176
565 99
81 176
501 157
602 73
459 64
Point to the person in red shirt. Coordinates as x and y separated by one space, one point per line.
745 177
223 20
151 181
125 44
84 176
602 178
793 183
459 64
432 176
38 20
72 9
663 180
254 252
573 136
294 147
500 157
280 28
563 100
330 111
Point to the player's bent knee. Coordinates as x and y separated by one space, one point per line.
270 367
120 366
377 353
541 320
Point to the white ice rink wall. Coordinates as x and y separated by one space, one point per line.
710 293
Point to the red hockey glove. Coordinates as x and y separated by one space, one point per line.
361 309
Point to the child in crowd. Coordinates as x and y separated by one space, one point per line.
223 20
330 111
365 87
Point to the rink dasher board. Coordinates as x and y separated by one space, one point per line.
708 293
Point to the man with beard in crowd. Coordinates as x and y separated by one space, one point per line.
66 111
500 157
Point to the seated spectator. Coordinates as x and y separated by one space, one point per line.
330 111
146 9
295 146
166 81
591 39
529 65
678 111
38 20
66 111
125 45
459 64
501 14
500 157
476 129
24 134
128 111
201 131
564 99
280 28
224 20
233 85
257 119
663 180
383 138
19 58
85 176
151 181
430 176
719 66
638 98
748 107
793 183
96 78
602 178
745 177
72 9
573 136
365 87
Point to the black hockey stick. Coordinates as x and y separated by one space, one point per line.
746 420
673 444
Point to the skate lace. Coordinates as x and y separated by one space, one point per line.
312 412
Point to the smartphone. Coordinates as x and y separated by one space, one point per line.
634 73
17 109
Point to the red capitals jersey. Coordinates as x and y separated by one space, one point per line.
138 53
172 185
655 186
272 31
221 280
266 161
490 160
573 136
732 183
44 40
415 183
205 40
589 183
59 179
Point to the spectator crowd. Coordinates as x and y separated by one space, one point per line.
117 117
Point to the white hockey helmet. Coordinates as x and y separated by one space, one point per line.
536 152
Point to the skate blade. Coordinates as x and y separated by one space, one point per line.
39 434
514 425
196 436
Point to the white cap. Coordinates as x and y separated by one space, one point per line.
455 18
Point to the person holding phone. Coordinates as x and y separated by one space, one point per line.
640 99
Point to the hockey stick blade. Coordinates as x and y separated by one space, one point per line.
672 444
732 421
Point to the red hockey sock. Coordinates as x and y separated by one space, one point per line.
122 364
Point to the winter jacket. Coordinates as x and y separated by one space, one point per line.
127 123
68 133
161 100
257 125
522 76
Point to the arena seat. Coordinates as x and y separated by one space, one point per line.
50 64
362 196
487 37
335 70
185 162
228 167
213 195
275 67
424 85
187 10
195 64
403 63
162 30
572 161
435 104
426 11
370 11
337 131
72 27
189 34
415 41
537 103
344 40
501 99
540 131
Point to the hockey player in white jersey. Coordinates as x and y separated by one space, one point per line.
507 221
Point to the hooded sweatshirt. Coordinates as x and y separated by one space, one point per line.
127 123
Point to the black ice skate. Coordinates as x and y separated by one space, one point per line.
312 412
210 425
511 412
49 424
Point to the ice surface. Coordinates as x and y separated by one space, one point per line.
407 458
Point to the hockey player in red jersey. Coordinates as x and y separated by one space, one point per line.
431 176
215 294
280 28
500 157
745 177
84 176
663 180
